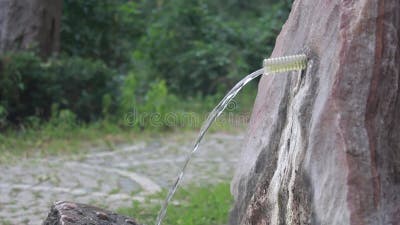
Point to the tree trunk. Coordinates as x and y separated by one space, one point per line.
26 24
326 150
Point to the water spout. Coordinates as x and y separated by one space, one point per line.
274 65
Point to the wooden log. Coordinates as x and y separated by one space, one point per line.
71 213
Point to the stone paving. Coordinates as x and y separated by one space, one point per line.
111 178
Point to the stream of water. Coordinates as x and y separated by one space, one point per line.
215 113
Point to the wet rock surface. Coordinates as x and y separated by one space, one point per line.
325 149
70 213
111 178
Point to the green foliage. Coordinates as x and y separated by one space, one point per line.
150 110
171 56
128 93
3 116
195 46
30 88
196 49
82 85
156 99
25 89
197 206
108 104
103 30
189 47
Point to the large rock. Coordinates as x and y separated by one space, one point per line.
70 213
326 149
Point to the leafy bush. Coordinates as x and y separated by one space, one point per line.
198 49
191 50
103 30
148 110
62 119
188 47
157 99
128 93
25 87
82 85
3 116
30 87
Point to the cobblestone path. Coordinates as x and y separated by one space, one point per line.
111 178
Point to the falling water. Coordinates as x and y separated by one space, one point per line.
215 113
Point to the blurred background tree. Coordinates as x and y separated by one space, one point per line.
25 24
189 49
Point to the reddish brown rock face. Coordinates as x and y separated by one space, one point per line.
326 150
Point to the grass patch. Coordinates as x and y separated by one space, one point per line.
194 206
63 135
51 140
